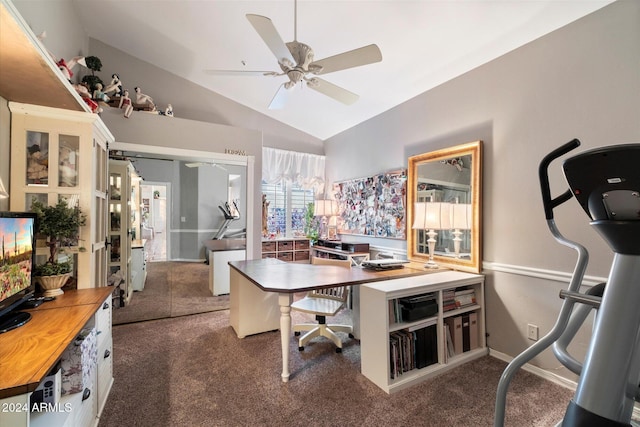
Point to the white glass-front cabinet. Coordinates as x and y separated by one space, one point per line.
61 154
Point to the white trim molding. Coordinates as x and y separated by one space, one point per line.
558 276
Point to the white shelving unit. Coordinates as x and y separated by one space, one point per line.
376 324
289 250
61 154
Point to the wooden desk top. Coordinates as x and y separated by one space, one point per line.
29 352
273 275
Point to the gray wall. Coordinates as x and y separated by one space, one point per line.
580 81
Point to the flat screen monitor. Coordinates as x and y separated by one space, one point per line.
17 259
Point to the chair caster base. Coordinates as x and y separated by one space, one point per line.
300 348
338 350
352 336
296 333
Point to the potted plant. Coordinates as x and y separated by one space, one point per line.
311 224
94 64
60 225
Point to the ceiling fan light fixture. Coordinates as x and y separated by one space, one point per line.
296 60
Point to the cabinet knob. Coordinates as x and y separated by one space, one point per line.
107 353
105 306
85 394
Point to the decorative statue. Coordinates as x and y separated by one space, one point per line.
126 104
115 86
99 95
65 67
143 99
169 111
83 91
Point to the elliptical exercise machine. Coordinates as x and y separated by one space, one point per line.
606 183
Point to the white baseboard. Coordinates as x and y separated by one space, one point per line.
550 376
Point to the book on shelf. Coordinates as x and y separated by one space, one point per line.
464 297
412 348
448 300
463 331
455 327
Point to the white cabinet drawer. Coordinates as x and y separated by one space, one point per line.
105 372
103 322
84 411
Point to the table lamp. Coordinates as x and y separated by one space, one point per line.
460 220
324 208
432 216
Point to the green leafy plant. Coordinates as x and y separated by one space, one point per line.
94 64
60 224
311 224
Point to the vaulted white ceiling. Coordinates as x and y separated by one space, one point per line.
423 42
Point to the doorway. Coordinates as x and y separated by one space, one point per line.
155 211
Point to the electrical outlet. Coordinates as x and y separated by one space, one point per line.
532 332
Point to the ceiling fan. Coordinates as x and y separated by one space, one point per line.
296 60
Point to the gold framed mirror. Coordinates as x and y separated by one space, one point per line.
450 179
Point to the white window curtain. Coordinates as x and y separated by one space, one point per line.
307 170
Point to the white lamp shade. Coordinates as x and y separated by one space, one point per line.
461 216
325 208
432 216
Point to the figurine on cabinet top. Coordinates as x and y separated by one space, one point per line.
115 86
99 95
169 111
143 99
126 104
65 67
83 91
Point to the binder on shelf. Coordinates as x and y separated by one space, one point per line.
449 351
455 326
466 336
473 330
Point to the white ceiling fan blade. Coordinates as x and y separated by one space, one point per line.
240 72
333 91
267 31
280 98
353 58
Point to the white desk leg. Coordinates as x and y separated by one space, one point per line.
284 300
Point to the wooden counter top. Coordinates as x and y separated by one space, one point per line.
29 352
225 244
273 275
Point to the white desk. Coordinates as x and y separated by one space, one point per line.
259 287
219 253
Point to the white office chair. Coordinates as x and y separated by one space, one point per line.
323 303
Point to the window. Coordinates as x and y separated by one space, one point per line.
287 206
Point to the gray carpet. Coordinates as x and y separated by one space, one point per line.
194 371
172 289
